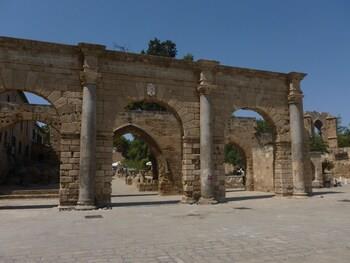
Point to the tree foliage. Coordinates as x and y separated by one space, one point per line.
145 106
136 152
165 48
262 127
343 134
317 144
188 57
122 145
233 155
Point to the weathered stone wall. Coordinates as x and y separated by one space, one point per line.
242 133
263 160
239 89
51 71
55 71
341 162
327 124
258 151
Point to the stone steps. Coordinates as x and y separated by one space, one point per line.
28 193
27 196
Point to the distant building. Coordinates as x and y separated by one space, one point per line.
16 140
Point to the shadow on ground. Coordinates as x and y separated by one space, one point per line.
249 197
325 193
129 195
145 203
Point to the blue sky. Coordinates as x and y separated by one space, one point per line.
309 36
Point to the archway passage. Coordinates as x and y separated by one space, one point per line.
235 166
29 148
134 160
139 162
252 135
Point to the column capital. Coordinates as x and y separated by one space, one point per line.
206 89
295 95
88 76
207 76
91 54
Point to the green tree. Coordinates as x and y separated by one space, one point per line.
262 127
165 48
145 106
233 155
343 134
188 57
122 145
138 154
317 144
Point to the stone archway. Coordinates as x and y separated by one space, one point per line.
165 180
35 150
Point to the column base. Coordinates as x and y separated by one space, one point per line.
301 195
85 206
207 201
187 200
317 184
65 208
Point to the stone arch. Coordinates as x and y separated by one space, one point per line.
278 160
13 113
318 124
187 115
164 175
61 115
170 105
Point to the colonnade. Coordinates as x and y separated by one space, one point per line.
206 87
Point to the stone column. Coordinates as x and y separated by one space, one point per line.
88 142
316 161
87 170
206 134
296 113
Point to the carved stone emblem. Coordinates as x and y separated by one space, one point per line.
151 89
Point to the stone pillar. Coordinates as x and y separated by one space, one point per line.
309 126
249 176
295 99
87 170
316 161
331 132
206 134
88 143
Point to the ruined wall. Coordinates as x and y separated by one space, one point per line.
237 90
55 72
341 163
263 168
327 124
258 151
51 71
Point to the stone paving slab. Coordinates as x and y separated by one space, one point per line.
251 227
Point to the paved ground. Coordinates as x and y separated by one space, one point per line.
251 227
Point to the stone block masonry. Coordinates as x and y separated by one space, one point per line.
89 87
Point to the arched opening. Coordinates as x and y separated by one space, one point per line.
153 165
318 127
137 162
317 143
255 133
235 166
29 147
